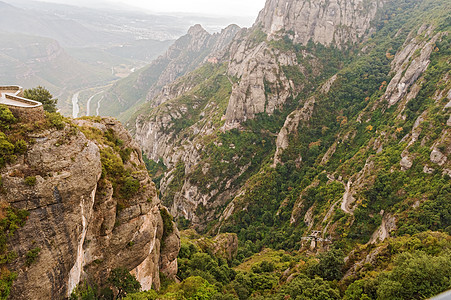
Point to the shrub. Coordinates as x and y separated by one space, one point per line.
55 120
168 226
6 150
330 266
20 147
42 95
6 117
30 180
31 256
83 291
147 295
130 188
124 282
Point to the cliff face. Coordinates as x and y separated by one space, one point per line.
261 68
264 73
84 223
302 107
322 21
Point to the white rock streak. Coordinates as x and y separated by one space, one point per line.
76 271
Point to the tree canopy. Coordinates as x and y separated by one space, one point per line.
42 95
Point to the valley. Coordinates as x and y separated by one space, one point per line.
305 157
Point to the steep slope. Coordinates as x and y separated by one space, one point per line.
91 208
263 76
339 138
185 55
327 22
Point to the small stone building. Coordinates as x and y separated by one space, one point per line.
24 109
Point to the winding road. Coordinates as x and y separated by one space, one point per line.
88 110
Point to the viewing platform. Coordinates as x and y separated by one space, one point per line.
26 110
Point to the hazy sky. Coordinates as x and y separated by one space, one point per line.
209 7
220 7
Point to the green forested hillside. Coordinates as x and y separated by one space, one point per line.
368 169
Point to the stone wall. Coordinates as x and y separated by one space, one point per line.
28 114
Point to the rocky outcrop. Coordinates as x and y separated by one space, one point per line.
322 21
409 64
383 232
263 85
81 225
290 127
186 54
224 245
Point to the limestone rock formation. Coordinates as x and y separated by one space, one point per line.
81 225
322 21
409 64
263 86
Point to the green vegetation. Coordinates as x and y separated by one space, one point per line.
42 95
123 282
11 219
352 134
168 226
6 117
31 256
30 180
156 170
120 285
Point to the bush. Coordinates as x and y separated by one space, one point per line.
123 282
168 226
83 291
6 150
30 180
20 147
8 225
197 288
147 295
304 288
55 120
129 188
6 117
42 95
31 256
416 276
330 266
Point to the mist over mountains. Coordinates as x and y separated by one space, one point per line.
305 157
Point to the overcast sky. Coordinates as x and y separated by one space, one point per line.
209 7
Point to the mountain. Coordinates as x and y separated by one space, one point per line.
77 203
326 122
185 55
307 157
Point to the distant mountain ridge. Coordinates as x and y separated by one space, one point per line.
151 83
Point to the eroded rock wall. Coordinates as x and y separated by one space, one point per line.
75 218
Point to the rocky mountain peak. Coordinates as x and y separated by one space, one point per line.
322 21
196 30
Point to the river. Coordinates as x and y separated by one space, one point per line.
75 106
